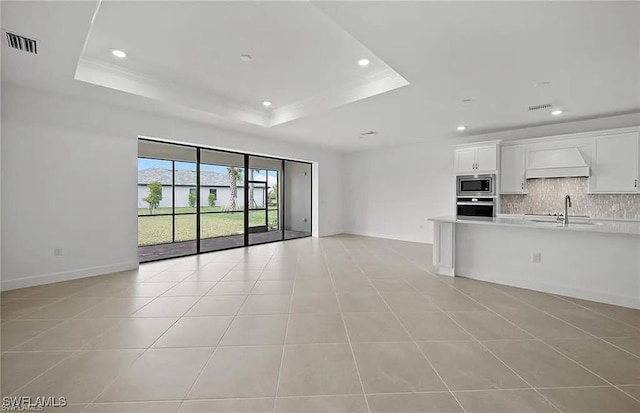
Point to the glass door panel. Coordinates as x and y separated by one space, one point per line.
221 198
262 191
166 172
297 199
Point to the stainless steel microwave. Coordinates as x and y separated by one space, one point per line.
476 185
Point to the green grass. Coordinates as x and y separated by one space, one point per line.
157 229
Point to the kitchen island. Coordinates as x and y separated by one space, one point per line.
596 260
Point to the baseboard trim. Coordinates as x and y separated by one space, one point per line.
43 279
567 291
374 235
330 234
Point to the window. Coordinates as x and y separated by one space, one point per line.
203 200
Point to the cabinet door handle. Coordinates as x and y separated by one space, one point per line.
635 184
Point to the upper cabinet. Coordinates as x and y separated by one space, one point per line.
513 170
474 159
614 166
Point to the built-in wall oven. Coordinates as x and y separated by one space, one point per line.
470 207
476 186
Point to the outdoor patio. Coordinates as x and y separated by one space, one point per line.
178 249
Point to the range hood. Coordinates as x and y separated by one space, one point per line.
556 163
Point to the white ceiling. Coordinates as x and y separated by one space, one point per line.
305 60
302 61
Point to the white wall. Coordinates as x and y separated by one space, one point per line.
297 196
51 141
391 192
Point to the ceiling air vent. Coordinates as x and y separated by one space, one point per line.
22 43
539 107
370 133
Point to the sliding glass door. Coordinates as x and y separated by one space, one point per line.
297 199
193 200
264 200
166 214
222 211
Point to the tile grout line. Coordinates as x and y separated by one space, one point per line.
534 337
119 373
344 325
527 304
286 330
556 317
481 344
616 386
406 331
71 352
215 349
566 299
592 336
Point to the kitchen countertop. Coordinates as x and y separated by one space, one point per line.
607 226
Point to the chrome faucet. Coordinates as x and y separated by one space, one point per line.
567 205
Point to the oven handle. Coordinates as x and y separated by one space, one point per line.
475 203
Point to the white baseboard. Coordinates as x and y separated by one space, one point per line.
330 233
445 271
631 301
34 280
376 235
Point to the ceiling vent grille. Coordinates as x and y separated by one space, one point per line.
370 133
25 44
539 107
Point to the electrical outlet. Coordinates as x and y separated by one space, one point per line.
57 252
536 257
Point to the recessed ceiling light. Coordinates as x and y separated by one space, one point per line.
266 103
556 112
363 62
245 57
118 53
461 128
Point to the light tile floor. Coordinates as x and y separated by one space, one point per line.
338 325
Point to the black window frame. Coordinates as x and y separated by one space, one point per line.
280 204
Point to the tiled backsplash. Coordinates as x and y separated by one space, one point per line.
547 195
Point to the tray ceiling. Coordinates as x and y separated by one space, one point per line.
190 53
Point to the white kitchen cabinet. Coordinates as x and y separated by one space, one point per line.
465 160
474 159
513 170
614 166
487 158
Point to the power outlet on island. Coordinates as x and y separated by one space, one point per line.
57 252
536 257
